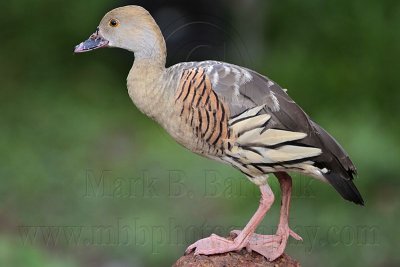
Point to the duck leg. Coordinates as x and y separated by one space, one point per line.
216 244
285 182
272 246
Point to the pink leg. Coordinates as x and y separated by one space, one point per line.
216 244
272 246
285 182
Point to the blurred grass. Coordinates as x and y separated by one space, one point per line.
62 115
13 254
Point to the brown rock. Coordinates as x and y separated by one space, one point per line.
234 259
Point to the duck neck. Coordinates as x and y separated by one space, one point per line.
145 84
152 50
152 58
145 80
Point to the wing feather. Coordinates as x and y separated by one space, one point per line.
270 132
244 90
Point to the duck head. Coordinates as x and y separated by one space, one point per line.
129 27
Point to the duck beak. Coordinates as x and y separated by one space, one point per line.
95 41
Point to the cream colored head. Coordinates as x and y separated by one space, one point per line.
131 28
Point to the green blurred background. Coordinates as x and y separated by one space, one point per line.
87 180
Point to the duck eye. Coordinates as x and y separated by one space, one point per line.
114 23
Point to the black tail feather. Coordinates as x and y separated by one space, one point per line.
341 170
345 187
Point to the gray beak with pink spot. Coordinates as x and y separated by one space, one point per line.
95 41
